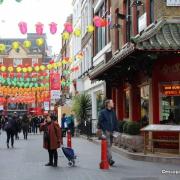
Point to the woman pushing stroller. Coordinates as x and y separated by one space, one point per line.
51 139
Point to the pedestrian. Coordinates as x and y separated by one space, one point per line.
107 124
51 140
10 128
64 124
25 126
18 124
71 124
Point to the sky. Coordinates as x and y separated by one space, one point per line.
31 12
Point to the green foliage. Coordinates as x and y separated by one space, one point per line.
81 106
125 127
120 126
133 128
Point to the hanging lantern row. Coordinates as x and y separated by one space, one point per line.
1 1
26 44
66 83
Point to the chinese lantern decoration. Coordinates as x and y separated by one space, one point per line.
18 69
10 69
30 69
77 32
68 27
18 0
11 74
2 48
65 36
24 69
15 45
36 68
59 64
4 75
40 41
27 44
90 29
3 68
49 66
1 1
23 27
42 67
53 28
39 28
97 21
104 23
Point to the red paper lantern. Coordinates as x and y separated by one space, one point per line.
39 28
4 75
19 75
11 74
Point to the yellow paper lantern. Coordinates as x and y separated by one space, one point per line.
25 70
18 69
65 36
10 68
15 45
2 47
49 66
54 65
40 41
59 64
3 68
42 67
90 29
36 68
30 69
77 32
27 44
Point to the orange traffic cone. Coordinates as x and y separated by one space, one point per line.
69 139
104 162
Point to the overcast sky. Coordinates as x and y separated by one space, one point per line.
33 11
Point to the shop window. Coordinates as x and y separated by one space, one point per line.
151 11
127 104
170 103
145 105
129 21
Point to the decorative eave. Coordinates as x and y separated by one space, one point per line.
161 36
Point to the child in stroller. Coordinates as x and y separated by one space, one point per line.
69 153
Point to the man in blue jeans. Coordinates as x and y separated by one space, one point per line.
107 123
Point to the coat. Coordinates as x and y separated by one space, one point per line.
54 132
25 123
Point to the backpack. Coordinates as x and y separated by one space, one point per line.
7 126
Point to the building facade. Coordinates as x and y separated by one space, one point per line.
142 76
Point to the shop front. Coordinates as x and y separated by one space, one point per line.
144 78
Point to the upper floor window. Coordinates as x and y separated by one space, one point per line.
1 61
34 61
17 62
100 41
128 21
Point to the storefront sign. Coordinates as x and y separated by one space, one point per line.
55 94
142 22
171 90
46 106
173 3
55 81
171 69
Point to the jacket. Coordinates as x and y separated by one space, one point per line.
54 133
107 120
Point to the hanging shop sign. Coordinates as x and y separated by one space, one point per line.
171 89
173 2
55 81
46 105
142 22
55 94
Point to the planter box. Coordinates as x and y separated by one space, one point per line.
134 143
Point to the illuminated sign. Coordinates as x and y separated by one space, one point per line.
171 90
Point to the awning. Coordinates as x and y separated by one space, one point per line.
161 36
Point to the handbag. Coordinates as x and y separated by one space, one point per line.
7 126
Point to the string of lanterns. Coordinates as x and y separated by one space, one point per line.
1 1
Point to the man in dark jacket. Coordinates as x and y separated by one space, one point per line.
107 123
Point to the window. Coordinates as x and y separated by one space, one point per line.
1 61
170 103
34 61
17 62
100 32
129 21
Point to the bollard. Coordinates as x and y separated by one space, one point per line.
69 139
104 162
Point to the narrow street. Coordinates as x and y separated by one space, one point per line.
26 162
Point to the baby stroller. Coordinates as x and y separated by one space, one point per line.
69 153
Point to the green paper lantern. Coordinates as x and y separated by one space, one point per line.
1 1
18 0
